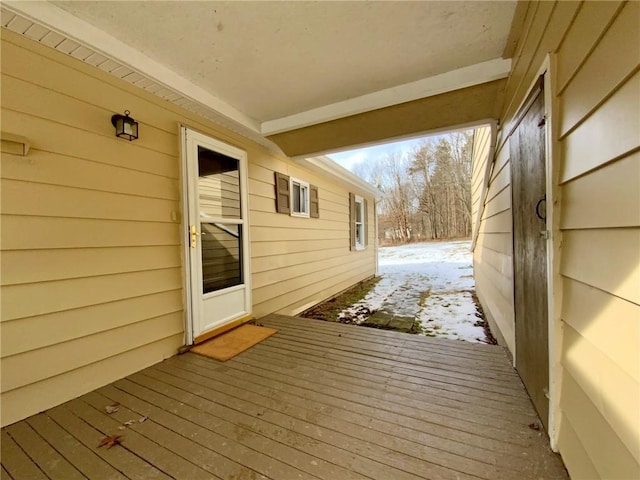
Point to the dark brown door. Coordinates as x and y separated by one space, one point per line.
528 180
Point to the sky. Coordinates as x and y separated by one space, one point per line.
351 158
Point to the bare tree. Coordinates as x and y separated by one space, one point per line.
427 192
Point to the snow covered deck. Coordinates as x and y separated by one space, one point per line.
316 401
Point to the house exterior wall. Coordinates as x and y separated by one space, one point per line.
492 259
92 274
595 107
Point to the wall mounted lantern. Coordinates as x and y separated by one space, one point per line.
126 127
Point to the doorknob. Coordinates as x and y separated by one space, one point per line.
194 236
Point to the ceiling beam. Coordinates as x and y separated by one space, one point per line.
450 110
446 82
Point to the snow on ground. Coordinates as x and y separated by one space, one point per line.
431 282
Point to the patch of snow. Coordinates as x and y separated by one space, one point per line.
432 282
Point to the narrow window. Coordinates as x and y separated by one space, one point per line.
359 223
299 198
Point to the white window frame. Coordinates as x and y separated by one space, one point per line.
359 203
306 203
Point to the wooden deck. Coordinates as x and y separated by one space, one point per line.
316 401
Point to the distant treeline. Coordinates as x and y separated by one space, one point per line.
427 192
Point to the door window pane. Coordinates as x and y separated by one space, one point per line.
221 256
218 185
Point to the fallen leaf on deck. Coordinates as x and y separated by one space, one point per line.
111 440
112 408
122 428
534 426
142 419
129 423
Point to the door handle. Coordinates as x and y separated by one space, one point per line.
538 214
194 236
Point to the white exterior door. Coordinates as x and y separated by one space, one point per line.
218 280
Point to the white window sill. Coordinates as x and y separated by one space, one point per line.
301 215
360 247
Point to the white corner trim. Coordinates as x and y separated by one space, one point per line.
446 82
62 22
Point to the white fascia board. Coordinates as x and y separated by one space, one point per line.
329 167
84 33
484 72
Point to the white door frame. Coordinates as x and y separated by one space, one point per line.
193 276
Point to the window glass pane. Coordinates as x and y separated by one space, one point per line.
359 237
218 184
295 193
303 199
221 256
358 211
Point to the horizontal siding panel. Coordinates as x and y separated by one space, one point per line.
616 272
300 285
40 298
37 365
611 457
500 262
24 233
501 179
607 197
301 233
43 330
499 203
600 318
34 199
589 24
25 97
273 262
500 223
609 133
289 298
614 58
502 155
269 277
64 140
278 220
54 169
574 456
81 81
495 304
268 247
23 266
499 275
534 27
498 242
40 396
554 25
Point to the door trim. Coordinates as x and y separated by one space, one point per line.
188 207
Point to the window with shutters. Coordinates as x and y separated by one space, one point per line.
357 222
295 197
299 198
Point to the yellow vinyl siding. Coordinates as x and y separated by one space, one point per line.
492 255
92 269
596 128
599 133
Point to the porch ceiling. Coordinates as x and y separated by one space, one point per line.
277 68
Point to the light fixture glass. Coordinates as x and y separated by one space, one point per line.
126 127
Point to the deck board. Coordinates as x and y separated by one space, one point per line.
317 400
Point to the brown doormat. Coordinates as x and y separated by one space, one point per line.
233 342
